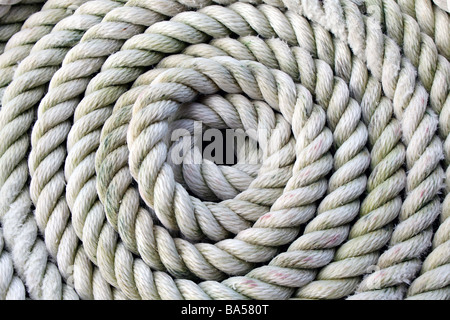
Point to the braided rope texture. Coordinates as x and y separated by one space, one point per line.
344 192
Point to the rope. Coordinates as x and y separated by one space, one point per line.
13 15
34 28
50 48
11 287
5 6
400 20
348 179
433 283
442 4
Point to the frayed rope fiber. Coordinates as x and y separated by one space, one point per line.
346 196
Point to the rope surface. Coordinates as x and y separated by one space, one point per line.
344 192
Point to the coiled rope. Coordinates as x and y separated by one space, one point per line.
349 197
13 15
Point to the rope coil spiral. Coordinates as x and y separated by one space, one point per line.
347 195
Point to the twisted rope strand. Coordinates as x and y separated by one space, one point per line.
434 281
412 237
366 41
34 28
419 49
11 287
5 6
47 157
264 204
42 278
433 21
12 20
17 112
409 109
372 231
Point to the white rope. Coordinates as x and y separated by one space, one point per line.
351 103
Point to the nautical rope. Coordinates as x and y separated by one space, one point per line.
434 281
417 248
410 239
42 63
442 4
5 6
12 20
11 287
333 87
34 28
433 20
381 206
399 20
